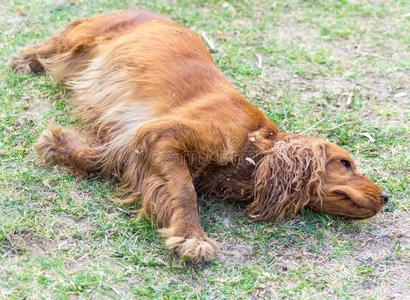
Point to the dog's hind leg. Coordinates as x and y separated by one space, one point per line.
68 148
69 51
29 59
58 49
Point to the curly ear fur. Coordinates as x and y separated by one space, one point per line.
286 179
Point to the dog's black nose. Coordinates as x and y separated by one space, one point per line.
384 197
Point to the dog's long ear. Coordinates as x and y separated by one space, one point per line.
286 178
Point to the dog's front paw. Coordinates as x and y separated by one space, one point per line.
195 249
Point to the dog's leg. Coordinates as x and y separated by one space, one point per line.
67 148
175 208
28 59
169 195
75 39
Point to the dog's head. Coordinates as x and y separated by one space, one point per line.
302 171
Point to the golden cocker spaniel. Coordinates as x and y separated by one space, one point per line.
161 117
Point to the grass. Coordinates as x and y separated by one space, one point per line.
336 69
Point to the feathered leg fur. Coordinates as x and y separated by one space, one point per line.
28 60
69 149
169 196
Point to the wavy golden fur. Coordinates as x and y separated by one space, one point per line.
287 178
158 115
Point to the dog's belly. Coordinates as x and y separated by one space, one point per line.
108 104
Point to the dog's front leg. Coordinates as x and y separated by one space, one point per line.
183 232
169 198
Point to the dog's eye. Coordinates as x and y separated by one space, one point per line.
346 163
340 193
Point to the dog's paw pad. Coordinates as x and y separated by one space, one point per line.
193 249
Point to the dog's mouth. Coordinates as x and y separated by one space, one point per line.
346 204
343 204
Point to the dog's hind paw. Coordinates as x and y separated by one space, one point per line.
194 249
67 148
48 144
16 64
56 144
25 64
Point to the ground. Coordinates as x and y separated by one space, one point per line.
335 69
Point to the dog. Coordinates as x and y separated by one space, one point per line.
158 115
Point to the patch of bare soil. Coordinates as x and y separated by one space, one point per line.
234 251
36 107
392 84
36 246
378 263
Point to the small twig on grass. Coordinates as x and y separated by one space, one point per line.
313 126
349 99
363 53
84 256
260 62
209 42
127 212
366 86
335 127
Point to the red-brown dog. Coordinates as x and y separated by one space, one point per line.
159 115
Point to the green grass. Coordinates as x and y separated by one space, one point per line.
336 69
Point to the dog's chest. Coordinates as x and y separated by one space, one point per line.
233 181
